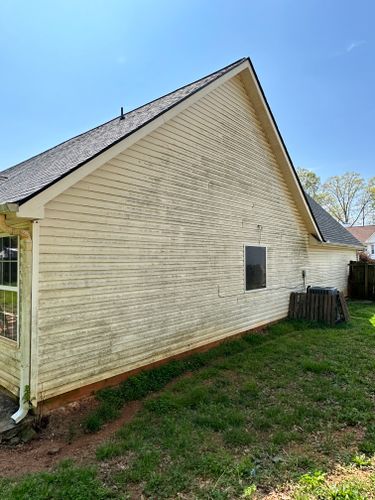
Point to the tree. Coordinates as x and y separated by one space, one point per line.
311 183
349 198
309 180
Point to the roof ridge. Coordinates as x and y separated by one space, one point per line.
231 65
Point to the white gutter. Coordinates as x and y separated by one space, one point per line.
25 337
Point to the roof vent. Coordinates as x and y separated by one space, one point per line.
122 113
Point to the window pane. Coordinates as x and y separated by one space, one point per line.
8 314
8 278
255 262
8 260
6 273
13 273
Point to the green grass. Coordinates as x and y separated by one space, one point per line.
65 483
269 411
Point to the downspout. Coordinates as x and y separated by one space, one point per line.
24 304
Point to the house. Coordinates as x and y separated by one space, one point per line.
366 235
169 228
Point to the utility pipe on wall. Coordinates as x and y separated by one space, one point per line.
25 263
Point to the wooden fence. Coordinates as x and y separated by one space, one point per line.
361 280
326 308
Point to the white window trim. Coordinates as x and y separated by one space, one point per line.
256 290
14 342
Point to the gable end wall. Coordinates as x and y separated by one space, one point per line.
143 259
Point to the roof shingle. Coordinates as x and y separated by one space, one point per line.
26 179
332 231
22 181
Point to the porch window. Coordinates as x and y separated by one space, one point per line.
9 287
255 267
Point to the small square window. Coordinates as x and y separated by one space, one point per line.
255 267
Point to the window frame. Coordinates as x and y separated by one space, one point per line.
13 342
244 267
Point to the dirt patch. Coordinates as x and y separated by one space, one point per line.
63 438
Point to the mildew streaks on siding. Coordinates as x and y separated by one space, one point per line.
143 258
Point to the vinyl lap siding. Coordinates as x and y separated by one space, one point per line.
9 349
329 267
143 258
9 365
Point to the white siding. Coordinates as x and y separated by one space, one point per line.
9 349
328 267
143 258
9 365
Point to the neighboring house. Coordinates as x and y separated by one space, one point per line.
167 229
366 235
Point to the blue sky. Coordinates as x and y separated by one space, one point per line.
67 66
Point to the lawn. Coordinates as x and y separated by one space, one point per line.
288 413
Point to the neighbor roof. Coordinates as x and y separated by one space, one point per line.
362 233
22 181
332 231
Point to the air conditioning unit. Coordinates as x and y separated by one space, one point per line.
322 290
319 303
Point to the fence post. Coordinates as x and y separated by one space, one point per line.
366 281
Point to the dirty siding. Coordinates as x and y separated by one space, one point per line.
330 267
9 349
143 258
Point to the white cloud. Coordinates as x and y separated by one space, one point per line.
354 45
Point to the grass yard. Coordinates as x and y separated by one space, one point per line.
289 413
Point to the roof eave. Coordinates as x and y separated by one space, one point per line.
7 208
333 244
33 205
276 140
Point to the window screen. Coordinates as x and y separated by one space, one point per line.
8 286
255 267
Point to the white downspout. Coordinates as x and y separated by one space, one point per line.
25 263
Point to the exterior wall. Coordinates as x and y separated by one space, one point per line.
10 352
329 267
9 365
143 259
371 246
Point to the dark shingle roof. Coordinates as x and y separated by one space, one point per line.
332 231
22 181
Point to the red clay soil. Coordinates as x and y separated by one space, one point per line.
63 438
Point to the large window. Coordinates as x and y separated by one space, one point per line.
9 287
255 267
